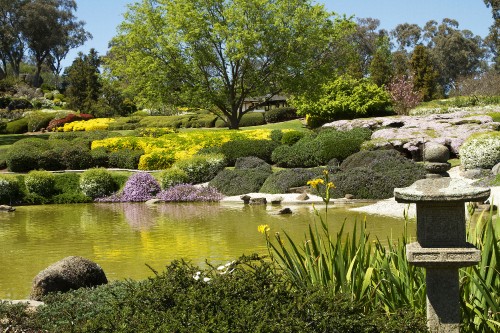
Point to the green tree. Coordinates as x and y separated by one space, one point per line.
11 40
214 54
381 67
343 98
493 38
425 75
84 86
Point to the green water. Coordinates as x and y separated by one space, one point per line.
122 238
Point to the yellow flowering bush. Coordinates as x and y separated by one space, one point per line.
178 146
96 124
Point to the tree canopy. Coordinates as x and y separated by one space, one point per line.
214 54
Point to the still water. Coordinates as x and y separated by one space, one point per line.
123 238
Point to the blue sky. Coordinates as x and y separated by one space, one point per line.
103 16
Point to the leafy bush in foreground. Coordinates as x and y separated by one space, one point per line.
172 176
239 181
24 154
249 297
201 168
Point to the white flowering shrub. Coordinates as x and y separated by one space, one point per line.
40 182
481 151
97 183
202 168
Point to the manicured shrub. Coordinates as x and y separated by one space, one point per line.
189 193
100 157
124 158
276 135
157 159
481 151
252 162
18 126
154 132
72 154
281 181
311 151
291 137
141 186
97 183
10 190
172 176
50 160
24 154
252 119
201 168
247 147
239 181
40 182
277 115
375 174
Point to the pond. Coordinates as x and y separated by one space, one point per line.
123 238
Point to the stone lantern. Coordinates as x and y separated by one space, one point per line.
441 245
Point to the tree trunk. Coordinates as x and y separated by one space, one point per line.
36 80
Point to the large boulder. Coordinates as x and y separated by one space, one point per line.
69 273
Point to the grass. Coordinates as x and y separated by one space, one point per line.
8 139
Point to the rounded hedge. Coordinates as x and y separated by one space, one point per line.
281 181
252 162
311 150
40 182
262 149
481 151
239 181
173 176
97 183
24 154
125 158
375 174
291 137
10 190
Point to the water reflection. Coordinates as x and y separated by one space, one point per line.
122 238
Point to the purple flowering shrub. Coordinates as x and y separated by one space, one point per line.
140 186
188 192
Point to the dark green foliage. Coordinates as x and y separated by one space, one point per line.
251 298
18 126
209 150
24 154
4 101
19 104
291 137
10 189
375 174
277 115
50 160
67 186
192 120
276 135
281 181
247 147
239 181
252 162
100 157
125 158
87 136
311 151
74 155
252 119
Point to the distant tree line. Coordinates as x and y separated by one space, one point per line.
40 32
